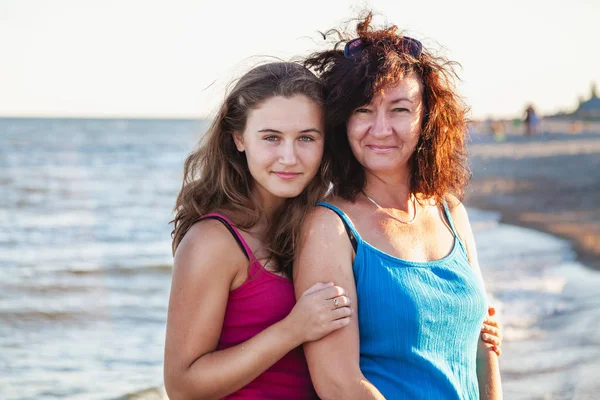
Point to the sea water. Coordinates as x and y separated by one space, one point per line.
85 262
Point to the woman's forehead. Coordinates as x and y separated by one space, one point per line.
408 89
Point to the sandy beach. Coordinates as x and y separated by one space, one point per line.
549 306
549 182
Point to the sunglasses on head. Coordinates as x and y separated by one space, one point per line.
408 45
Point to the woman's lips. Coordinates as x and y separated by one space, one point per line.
381 149
287 175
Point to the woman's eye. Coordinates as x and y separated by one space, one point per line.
400 109
306 139
271 138
362 110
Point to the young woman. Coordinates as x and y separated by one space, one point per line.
394 233
234 327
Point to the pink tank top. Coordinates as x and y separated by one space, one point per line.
262 300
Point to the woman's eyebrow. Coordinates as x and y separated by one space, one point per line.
311 130
400 99
271 130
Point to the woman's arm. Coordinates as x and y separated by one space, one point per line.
488 368
324 254
204 269
488 372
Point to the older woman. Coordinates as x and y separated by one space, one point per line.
394 232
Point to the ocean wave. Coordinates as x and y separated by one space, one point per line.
157 393
121 270
19 316
86 251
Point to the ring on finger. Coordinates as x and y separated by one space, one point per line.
336 302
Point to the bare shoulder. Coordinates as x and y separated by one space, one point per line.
453 202
457 210
208 244
460 217
323 249
322 220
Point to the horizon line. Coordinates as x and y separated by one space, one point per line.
104 116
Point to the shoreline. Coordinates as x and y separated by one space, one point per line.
549 182
588 257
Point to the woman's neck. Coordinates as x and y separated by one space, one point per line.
389 191
270 206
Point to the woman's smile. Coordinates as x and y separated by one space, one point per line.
287 175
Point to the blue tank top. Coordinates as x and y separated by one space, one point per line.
419 321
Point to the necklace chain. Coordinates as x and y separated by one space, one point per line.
414 201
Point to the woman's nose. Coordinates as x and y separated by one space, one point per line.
288 154
382 126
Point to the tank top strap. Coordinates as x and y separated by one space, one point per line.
355 238
449 218
234 232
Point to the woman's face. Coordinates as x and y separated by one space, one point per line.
384 133
283 142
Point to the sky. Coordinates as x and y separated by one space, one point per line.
146 58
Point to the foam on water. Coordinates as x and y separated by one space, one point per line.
550 309
517 264
94 254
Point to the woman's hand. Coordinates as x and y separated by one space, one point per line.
491 332
322 309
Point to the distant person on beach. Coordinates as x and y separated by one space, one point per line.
394 232
234 328
531 120
498 131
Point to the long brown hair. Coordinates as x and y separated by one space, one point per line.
216 175
439 164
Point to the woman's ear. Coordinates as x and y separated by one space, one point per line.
238 139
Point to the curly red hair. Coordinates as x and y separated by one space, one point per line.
439 164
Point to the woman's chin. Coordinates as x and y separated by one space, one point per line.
287 193
384 167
